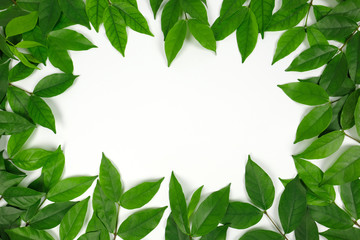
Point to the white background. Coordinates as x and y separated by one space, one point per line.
200 118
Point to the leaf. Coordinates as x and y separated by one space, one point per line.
28 233
345 169
229 7
73 220
292 205
31 159
9 214
29 5
315 37
335 121
95 224
51 215
218 233
19 101
155 5
21 57
262 10
140 195
247 35
140 224
350 9
110 179
347 118
174 40
353 56
258 185
287 18
312 58
331 216
40 53
336 234
210 212
21 24
5 4
9 14
70 188
60 58
49 14
4 82
53 169
289 42
172 231
41 113
11 123
203 34
70 40
4 46
115 28
241 215
305 93
320 11
170 16
194 201
307 230
54 84
8 180
324 146
105 208
335 27
19 72
316 121
133 18
196 9
75 11
349 193
261 234
91 236
178 205
95 10
21 197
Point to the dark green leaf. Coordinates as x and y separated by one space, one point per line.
353 56
307 230
289 42
75 11
155 5
350 195
110 179
336 27
21 24
9 214
41 113
19 101
95 10
53 169
203 34
241 215
287 18
10 13
8 180
357 116
263 13
172 231
337 234
218 233
91 236
4 82
261 234
40 53
315 37
22 197
335 121
320 11
196 9
54 84
28 233
4 46
170 15
194 201
49 14
174 40
11 123
5 4
331 216
350 9
29 5
347 118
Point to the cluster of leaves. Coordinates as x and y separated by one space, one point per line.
33 31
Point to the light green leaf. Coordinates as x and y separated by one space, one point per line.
28 233
289 42
54 84
229 7
349 193
75 11
331 216
31 159
8 180
174 40
241 215
21 24
261 234
336 27
336 234
95 224
172 231
170 15
347 118
91 236
49 14
110 179
16 141
203 34
353 56
53 169
70 40
95 10
28 44
263 13
60 58
287 18
19 72
218 233
196 9
21 56
315 37
11 123
194 201
22 197
41 113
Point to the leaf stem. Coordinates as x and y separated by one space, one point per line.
14 2
276 226
356 223
30 93
307 15
357 140
348 39
117 221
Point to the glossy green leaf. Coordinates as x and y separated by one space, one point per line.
203 34
51 215
353 56
73 220
262 10
110 179
336 27
172 231
21 24
19 72
40 53
91 236
347 118
28 233
70 40
195 8
307 230
31 159
16 141
54 84
170 15
350 9
331 216
346 234
320 11
10 13
21 57
335 121
53 169
140 224
210 212
261 234
115 28
95 10
70 188
258 185
287 18
41 113
312 58
218 233
49 14
357 116
289 42
11 123
60 58
316 121
75 11
155 5
19 101
229 7
8 180
350 196
194 201
9 214
174 40
315 37
22 197
241 215
95 224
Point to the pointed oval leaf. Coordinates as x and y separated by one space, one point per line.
287 18
241 215
41 113
174 40
331 216
263 12
21 24
261 234
110 179
170 15
8 180
75 11
346 234
353 56
194 201
28 233
203 34
22 197
307 230
31 159
172 232
11 123
289 42
218 233
95 10
350 196
54 84
347 117
196 9
336 27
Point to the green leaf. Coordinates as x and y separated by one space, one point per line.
8 180
54 84
292 205
95 224
178 205
21 197
21 56
19 101
345 169
105 208
110 179
70 188
316 121
95 10
307 230
9 14
9 167
21 24
305 93
321 11
9 214
140 195
172 231
19 72
315 37
258 185
49 14
194 201
287 18
324 146
11 123
350 9
51 215
312 58
36 35
170 15
241 215
73 220
289 42
133 18
53 169
70 40
115 28
347 118
337 234
218 233
196 9
353 56
203 34
4 47
91 236
229 7
349 193
263 13
29 5
28 233
335 121
41 113
357 116
60 58
331 216
140 224
261 234
5 4
4 82
210 212
174 40
336 27
31 159
75 11
247 35
155 5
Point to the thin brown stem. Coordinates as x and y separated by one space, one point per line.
356 223
348 39
14 2
117 221
357 140
276 226
30 93
308 13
